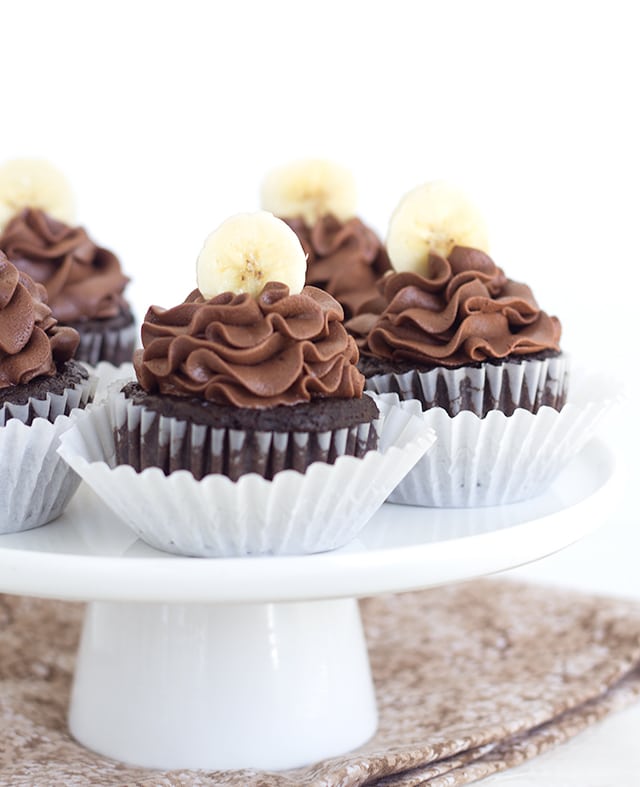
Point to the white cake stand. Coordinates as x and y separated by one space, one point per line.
261 662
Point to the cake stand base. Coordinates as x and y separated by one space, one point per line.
188 663
222 686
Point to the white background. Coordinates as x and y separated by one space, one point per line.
165 117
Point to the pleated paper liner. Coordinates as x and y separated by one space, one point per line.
295 513
500 459
35 483
114 346
108 375
52 406
528 384
144 438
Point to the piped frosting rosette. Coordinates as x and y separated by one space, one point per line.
500 459
35 484
277 348
345 257
83 281
294 513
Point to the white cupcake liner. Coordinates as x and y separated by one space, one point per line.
528 383
35 483
106 345
52 406
499 459
295 513
107 375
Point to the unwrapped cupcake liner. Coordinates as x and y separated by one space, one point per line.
529 384
295 513
499 459
109 376
144 438
114 346
36 484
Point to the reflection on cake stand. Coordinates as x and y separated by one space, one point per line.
261 662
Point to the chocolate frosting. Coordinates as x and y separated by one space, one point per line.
83 281
465 310
31 342
250 352
345 259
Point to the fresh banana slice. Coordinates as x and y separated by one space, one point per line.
248 250
311 188
432 218
34 183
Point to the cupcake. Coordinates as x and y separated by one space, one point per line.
470 350
317 199
243 355
455 332
84 282
248 412
40 386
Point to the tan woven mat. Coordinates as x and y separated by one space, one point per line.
470 680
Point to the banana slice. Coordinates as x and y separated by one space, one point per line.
432 218
34 183
311 188
248 250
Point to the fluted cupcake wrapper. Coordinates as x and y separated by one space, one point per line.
295 513
113 346
35 483
146 439
528 384
499 459
52 406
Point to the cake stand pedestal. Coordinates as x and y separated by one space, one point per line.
261 662
222 686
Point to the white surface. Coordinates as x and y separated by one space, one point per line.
218 686
605 755
90 554
165 117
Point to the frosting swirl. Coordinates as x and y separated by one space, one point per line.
344 259
31 342
83 281
465 310
250 352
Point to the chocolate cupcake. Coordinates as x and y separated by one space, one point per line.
84 282
470 348
344 257
40 386
248 403
465 337
454 331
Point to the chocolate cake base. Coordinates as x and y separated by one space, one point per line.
69 375
526 381
175 433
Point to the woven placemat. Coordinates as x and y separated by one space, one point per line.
470 679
